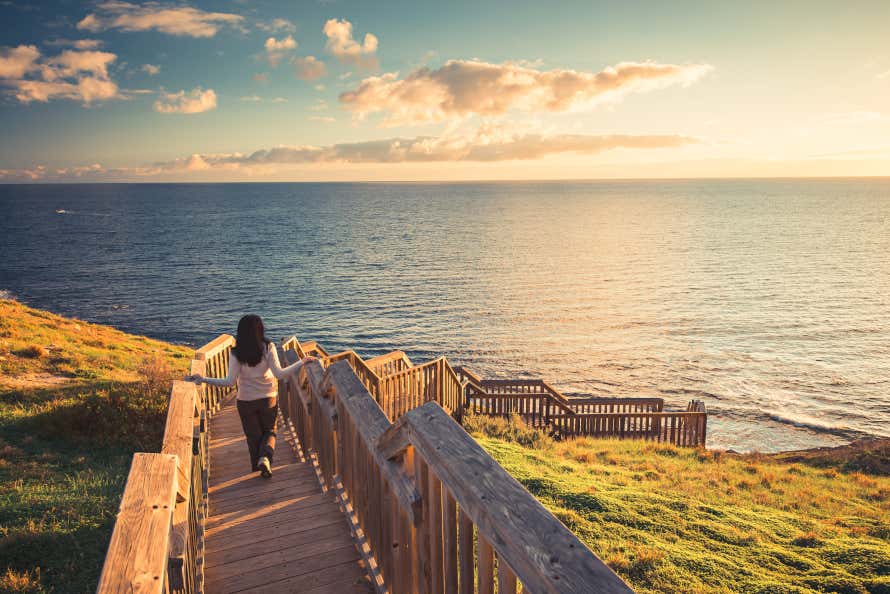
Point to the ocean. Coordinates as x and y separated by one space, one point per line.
767 299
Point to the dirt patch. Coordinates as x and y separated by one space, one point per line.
30 381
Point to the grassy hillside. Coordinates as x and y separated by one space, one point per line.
76 400
679 520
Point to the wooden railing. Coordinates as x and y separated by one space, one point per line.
396 384
433 511
434 381
158 540
215 355
542 406
390 363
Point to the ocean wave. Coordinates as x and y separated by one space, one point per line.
813 424
4 294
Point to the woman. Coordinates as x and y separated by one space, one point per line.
254 365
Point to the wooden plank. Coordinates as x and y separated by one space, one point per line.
486 566
214 346
179 432
137 554
360 405
449 535
466 555
545 555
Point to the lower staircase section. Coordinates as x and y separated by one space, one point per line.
282 534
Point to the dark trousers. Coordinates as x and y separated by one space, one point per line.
258 421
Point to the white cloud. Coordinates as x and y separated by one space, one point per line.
319 105
277 48
309 68
468 87
195 101
325 119
342 46
261 77
151 69
15 62
279 100
81 44
72 74
883 75
182 20
277 26
489 143
345 75
70 63
277 45
254 98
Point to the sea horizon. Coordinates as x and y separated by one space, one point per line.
696 333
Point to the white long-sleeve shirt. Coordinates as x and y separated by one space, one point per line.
257 381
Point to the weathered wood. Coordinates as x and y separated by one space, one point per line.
178 433
214 346
372 424
545 555
137 554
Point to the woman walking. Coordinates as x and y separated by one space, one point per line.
254 366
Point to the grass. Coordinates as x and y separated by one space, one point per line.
670 519
76 400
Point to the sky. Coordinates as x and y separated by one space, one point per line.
243 90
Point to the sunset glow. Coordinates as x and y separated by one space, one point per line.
237 91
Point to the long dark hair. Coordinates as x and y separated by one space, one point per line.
251 342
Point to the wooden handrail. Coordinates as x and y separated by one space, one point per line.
540 551
137 554
184 450
422 492
213 347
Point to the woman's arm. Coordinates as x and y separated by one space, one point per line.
282 372
229 380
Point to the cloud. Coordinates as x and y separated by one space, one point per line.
325 119
347 50
195 101
181 20
883 75
489 143
15 62
309 68
254 98
261 77
319 105
277 48
279 100
468 87
75 75
277 26
81 44
151 69
278 45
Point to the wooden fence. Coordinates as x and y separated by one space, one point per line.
435 512
543 407
396 384
158 540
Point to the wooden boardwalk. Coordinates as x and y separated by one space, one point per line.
282 534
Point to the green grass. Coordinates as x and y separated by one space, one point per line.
76 400
669 519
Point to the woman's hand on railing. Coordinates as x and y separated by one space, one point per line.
308 359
